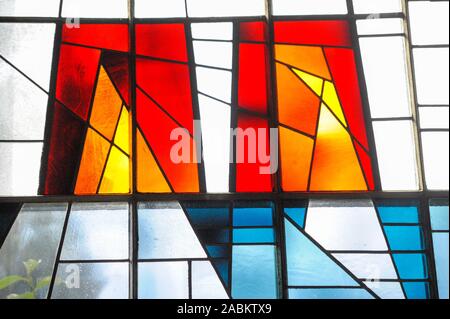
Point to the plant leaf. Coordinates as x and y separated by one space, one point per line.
27 295
43 282
10 280
31 265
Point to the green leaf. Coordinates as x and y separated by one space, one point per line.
27 295
10 280
31 265
44 282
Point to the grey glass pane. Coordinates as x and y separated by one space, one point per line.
97 231
92 281
165 280
29 8
35 235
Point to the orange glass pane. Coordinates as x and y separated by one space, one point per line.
313 82
106 107
296 154
92 163
335 164
298 106
150 179
116 179
122 138
305 58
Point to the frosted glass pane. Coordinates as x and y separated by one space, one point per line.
215 83
436 159
95 9
386 290
369 266
377 6
163 280
386 76
441 248
205 282
97 231
160 9
29 8
429 22
218 54
97 281
434 117
379 26
165 232
20 165
35 234
396 152
220 8
29 47
432 75
23 106
305 7
212 31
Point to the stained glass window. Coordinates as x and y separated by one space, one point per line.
207 149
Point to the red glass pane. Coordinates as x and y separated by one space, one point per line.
165 41
343 70
65 147
253 31
116 65
168 84
106 36
253 77
332 33
366 164
248 173
77 71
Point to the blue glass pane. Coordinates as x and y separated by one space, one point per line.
439 217
335 293
218 251
253 235
441 257
411 266
416 290
254 272
222 267
399 214
297 215
209 217
261 216
308 265
404 237
214 236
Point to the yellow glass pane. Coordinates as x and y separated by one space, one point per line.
296 153
92 163
116 179
306 58
331 99
335 164
149 176
107 106
314 83
122 138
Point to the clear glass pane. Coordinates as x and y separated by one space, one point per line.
436 159
29 8
378 6
212 31
434 117
95 9
305 7
429 22
219 8
380 26
160 9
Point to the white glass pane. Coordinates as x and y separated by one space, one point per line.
23 106
345 225
369 266
377 6
96 281
163 280
95 9
396 155
218 54
205 282
215 83
35 235
29 8
305 7
432 75
216 119
165 232
380 26
434 117
160 9
97 231
436 159
386 290
212 31
20 165
429 22
29 47
220 8
386 76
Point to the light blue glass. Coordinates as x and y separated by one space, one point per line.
253 235
257 216
254 272
441 257
439 216
308 265
411 266
335 293
416 290
297 215
399 214
404 237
